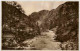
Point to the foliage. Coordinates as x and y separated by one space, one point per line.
14 21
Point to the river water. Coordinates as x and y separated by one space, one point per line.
44 42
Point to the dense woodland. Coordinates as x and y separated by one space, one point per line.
65 18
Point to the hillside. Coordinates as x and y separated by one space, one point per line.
64 18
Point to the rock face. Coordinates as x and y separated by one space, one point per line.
68 21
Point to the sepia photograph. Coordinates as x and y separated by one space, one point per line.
40 25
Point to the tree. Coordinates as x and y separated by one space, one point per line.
12 15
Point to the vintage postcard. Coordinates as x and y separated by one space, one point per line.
40 25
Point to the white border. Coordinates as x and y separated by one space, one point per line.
39 0
79 25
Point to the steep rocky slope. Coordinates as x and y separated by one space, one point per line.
64 18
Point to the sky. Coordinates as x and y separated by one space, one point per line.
35 6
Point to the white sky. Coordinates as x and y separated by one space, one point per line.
35 6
